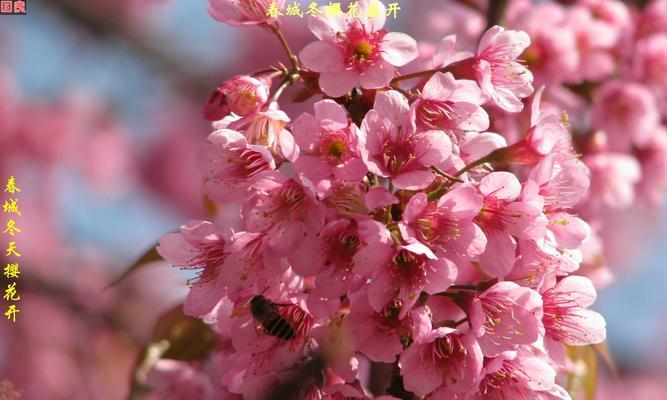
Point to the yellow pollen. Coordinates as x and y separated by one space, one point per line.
363 50
530 56
336 149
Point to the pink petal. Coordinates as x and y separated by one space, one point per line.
432 147
463 200
322 56
377 75
337 84
535 106
399 48
376 22
415 207
202 299
174 248
441 276
591 328
288 148
471 117
390 104
325 27
469 92
478 145
501 185
312 167
538 374
307 259
413 180
351 170
381 292
569 231
303 128
439 87
578 289
498 257
331 115
419 377
372 258
378 197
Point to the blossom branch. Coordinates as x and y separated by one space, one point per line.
283 42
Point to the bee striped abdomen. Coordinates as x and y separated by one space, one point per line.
266 313
279 327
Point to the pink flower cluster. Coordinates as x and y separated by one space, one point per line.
387 226
605 63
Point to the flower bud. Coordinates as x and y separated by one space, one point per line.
241 95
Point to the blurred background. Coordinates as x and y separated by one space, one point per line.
100 124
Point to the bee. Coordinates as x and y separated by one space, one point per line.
266 313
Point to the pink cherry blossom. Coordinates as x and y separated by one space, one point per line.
329 144
552 55
444 357
241 95
243 12
265 128
502 217
181 381
653 159
403 273
445 104
504 316
627 112
613 176
596 41
566 317
510 376
653 19
547 135
356 51
446 226
562 180
386 224
393 149
253 267
381 335
199 246
283 208
649 66
232 165
496 69
331 256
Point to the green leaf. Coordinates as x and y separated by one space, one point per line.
582 383
189 338
175 336
602 351
151 255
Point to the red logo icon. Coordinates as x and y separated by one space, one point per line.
13 7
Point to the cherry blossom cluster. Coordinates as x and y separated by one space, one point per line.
388 225
605 63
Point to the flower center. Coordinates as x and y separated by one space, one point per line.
244 164
410 269
495 215
361 47
397 154
363 50
437 228
341 248
336 149
245 102
207 263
